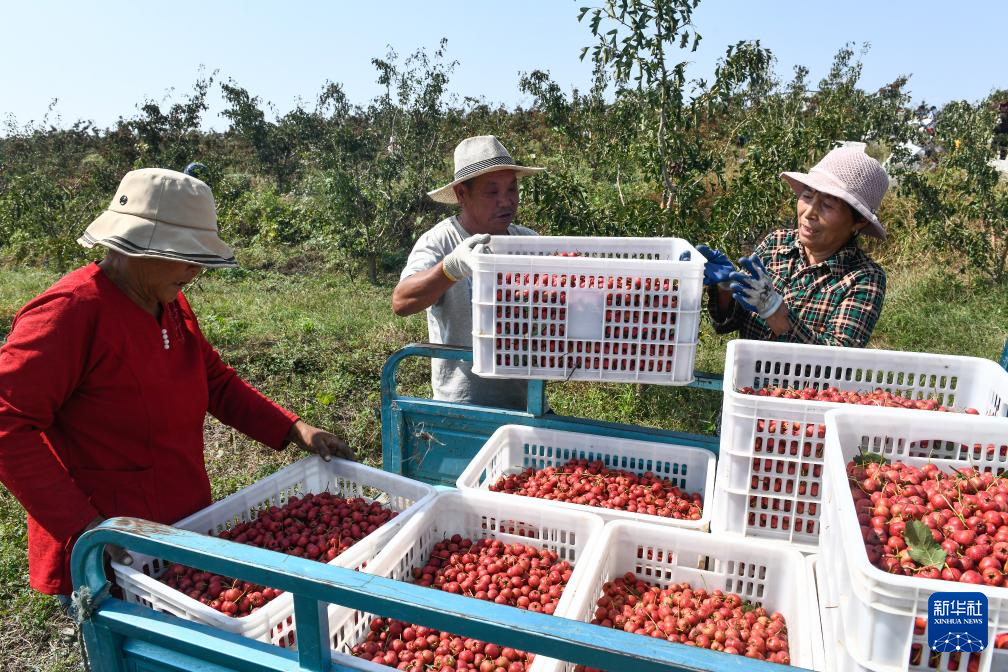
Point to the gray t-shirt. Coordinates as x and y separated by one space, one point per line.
449 321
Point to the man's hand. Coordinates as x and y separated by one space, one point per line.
314 440
116 553
753 289
717 269
458 263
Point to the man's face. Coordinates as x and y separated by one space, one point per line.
489 202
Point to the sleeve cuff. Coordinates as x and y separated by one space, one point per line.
284 421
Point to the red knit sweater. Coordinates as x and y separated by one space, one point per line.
98 417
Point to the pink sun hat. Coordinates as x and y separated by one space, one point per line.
852 176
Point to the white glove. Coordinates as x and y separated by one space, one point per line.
458 264
753 289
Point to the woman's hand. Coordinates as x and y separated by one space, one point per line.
314 440
717 269
754 290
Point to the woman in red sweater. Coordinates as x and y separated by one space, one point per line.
106 378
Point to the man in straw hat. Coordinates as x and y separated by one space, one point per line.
106 379
437 274
811 284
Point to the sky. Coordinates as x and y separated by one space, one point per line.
99 60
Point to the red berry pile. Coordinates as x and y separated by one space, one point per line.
417 648
517 575
679 613
228 596
932 524
594 484
317 527
878 397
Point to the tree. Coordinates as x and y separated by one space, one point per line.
790 127
276 145
654 141
375 165
696 159
962 202
171 139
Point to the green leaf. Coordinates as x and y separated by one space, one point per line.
923 548
864 459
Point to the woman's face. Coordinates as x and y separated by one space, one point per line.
825 223
162 279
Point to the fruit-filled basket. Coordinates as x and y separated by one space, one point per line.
361 505
584 308
770 469
617 479
915 504
529 556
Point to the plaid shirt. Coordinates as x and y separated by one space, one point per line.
834 302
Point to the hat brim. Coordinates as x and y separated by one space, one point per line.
799 181
141 237
446 194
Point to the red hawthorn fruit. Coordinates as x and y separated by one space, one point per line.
315 526
692 615
877 397
514 574
593 484
891 497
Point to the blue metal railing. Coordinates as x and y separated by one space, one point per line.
116 632
433 440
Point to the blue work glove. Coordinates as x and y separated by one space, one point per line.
753 288
717 269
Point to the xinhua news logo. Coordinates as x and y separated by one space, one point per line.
957 622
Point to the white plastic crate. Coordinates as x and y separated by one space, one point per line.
513 448
475 515
769 480
274 621
877 610
624 310
839 660
836 658
767 574
817 634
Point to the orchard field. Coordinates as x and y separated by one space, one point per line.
323 204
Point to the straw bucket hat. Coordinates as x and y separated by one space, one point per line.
852 176
161 214
476 156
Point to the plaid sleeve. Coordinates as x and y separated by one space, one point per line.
723 321
853 318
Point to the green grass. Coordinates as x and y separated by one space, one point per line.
316 343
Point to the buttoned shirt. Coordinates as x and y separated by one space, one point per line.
101 413
833 302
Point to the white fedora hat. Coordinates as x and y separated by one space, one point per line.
476 156
161 214
852 176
